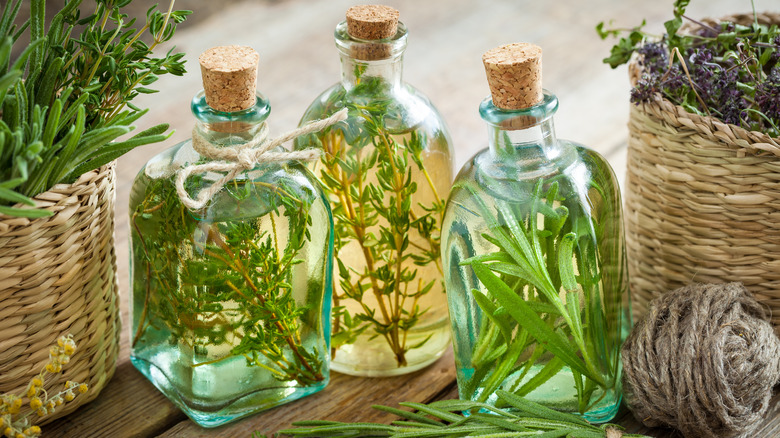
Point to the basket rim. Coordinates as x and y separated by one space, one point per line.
58 197
753 142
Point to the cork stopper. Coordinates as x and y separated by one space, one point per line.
229 77
514 73
372 22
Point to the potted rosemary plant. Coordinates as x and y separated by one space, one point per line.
66 101
702 191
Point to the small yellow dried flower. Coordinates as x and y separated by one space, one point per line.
11 404
35 403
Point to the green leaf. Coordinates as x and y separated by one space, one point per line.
530 321
25 212
489 309
550 369
37 32
14 197
538 410
566 262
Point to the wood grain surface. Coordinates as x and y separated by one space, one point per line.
298 60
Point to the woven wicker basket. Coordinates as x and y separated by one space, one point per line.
702 201
58 277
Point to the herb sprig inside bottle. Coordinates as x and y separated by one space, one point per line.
387 171
231 246
533 255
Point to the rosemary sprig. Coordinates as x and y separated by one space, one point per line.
67 98
443 419
367 172
542 302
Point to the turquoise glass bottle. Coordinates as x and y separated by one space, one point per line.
387 171
231 300
534 257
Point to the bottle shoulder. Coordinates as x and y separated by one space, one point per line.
404 108
575 168
251 193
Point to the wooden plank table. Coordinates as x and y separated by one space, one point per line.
297 61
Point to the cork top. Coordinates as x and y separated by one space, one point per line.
514 73
229 77
372 22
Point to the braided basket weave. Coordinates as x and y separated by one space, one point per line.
702 201
58 277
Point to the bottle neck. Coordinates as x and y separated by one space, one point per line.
522 135
356 71
225 129
362 60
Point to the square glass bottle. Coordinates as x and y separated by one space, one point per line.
231 298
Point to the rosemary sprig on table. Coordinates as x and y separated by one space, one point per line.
367 172
68 97
233 285
442 419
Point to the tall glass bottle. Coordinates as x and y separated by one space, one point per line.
387 171
534 257
231 301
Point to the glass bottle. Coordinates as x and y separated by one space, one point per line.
231 302
534 255
387 170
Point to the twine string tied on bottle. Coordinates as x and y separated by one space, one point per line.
237 159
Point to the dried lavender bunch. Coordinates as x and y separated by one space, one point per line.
728 71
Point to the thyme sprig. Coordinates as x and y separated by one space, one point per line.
367 172
228 283
729 70
443 419
67 98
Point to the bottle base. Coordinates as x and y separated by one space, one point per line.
360 370
557 393
369 357
219 413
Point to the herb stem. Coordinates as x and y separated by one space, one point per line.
214 236
148 288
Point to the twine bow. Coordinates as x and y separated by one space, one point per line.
244 157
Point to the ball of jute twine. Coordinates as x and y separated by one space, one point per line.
235 160
703 360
